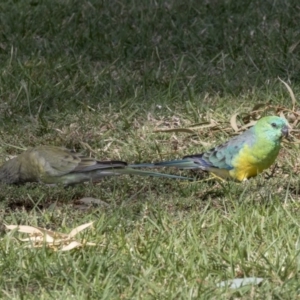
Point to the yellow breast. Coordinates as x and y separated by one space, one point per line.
248 164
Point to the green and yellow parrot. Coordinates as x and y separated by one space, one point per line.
52 165
240 158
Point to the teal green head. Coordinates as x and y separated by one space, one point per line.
273 127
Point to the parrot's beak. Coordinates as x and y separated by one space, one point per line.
285 131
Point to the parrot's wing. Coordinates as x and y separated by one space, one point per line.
221 157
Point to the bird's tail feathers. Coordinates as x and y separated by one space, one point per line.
185 164
145 165
112 163
130 171
180 164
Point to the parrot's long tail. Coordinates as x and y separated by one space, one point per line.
97 175
132 171
184 164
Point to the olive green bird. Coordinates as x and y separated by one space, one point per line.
52 165
240 158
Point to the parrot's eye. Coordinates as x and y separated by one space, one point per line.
274 125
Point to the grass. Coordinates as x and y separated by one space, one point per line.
99 77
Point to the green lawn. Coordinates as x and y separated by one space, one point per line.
102 77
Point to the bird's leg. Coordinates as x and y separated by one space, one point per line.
271 175
216 177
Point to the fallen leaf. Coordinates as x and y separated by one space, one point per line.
239 282
51 239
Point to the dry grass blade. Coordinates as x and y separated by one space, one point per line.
250 124
293 47
233 122
193 128
291 93
175 130
79 228
71 246
289 124
213 126
76 244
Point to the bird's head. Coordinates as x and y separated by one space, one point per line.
273 127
